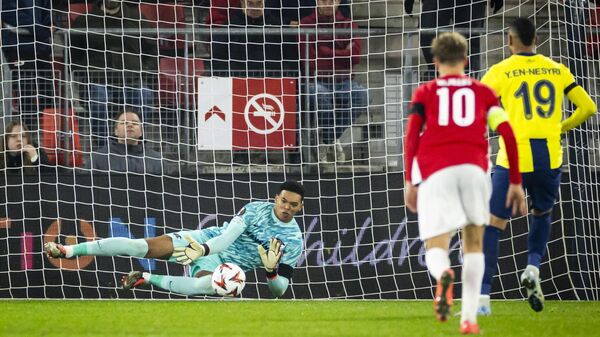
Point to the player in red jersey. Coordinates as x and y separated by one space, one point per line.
446 156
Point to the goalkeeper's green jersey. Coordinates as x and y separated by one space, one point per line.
261 225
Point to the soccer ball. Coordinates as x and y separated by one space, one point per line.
228 279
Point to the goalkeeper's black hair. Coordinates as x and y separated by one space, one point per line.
525 30
292 186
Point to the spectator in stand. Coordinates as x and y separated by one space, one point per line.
251 54
277 13
465 14
18 152
114 67
219 11
335 96
26 44
290 11
127 151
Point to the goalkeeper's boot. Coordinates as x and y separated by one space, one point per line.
55 250
443 295
484 308
531 282
132 280
469 328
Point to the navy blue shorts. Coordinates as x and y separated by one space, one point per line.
541 185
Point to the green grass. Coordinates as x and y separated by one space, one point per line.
284 318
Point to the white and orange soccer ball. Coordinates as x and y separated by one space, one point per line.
228 279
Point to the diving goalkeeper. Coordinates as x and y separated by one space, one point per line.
262 234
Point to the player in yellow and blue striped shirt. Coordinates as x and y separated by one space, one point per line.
531 89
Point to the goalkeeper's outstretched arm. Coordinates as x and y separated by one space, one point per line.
195 250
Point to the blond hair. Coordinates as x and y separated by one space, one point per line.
449 48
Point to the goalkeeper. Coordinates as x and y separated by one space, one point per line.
531 87
262 234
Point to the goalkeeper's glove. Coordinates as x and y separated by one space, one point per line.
270 258
191 252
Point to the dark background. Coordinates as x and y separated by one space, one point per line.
358 241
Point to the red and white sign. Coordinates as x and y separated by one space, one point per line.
246 113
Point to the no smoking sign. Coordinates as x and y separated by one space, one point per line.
264 114
246 113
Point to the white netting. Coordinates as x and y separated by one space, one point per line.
223 127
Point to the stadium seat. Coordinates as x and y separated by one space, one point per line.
76 9
53 137
218 14
166 16
174 78
593 43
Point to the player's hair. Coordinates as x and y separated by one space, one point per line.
292 186
524 29
449 48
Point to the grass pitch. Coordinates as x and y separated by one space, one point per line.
284 318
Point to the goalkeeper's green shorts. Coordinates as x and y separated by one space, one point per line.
207 263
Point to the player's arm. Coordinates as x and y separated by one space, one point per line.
498 121
219 243
193 251
278 284
278 274
585 107
411 145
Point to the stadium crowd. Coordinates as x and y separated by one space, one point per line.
113 59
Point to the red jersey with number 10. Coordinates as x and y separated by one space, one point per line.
455 110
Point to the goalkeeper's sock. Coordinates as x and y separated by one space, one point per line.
182 285
539 234
112 247
472 272
491 247
437 262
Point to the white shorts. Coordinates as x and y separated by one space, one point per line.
452 198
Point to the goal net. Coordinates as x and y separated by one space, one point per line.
231 104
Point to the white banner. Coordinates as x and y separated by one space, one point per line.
215 113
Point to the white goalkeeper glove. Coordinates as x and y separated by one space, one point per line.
191 252
270 258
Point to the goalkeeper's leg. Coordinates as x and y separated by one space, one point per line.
202 269
180 284
160 247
